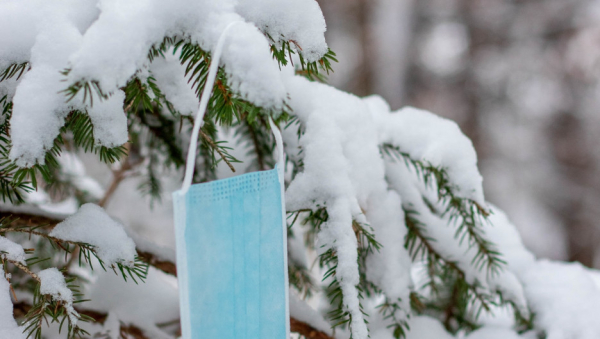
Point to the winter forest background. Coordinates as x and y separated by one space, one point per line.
520 78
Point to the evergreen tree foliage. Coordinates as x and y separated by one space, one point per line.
158 134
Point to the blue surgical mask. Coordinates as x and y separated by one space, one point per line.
231 248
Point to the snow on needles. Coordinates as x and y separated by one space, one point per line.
435 140
8 326
79 37
107 42
299 21
340 137
11 251
170 77
52 283
93 226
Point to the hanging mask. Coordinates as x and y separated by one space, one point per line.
231 247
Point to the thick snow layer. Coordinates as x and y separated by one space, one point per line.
388 267
43 34
170 78
52 283
79 36
26 19
433 139
11 251
141 24
563 296
299 21
93 226
39 109
109 120
8 326
340 137
565 299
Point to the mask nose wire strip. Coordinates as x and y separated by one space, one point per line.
199 119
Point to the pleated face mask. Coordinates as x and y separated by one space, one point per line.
231 248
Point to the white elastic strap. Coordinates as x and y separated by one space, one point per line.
280 167
190 163
199 119
279 144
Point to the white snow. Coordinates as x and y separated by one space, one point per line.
11 251
26 19
423 327
109 120
388 267
107 41
93 226
493 332
170 78
301 311
143 305
300 21
76 36
52 283
433 139
141 24
340 137
8 326
39 109
563 296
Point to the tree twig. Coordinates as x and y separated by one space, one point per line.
118 176
26 270
216 148
168 267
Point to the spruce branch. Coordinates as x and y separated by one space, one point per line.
339 315
32 220
85 252
82 129
466 214
283 49
14 181
420 247
307 331
46 310
300 278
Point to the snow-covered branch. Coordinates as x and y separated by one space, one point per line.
155 259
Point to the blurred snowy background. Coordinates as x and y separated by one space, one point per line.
521 79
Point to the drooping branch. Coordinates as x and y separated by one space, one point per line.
168 267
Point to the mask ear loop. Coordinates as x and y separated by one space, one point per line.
199 120
279 144
280 167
